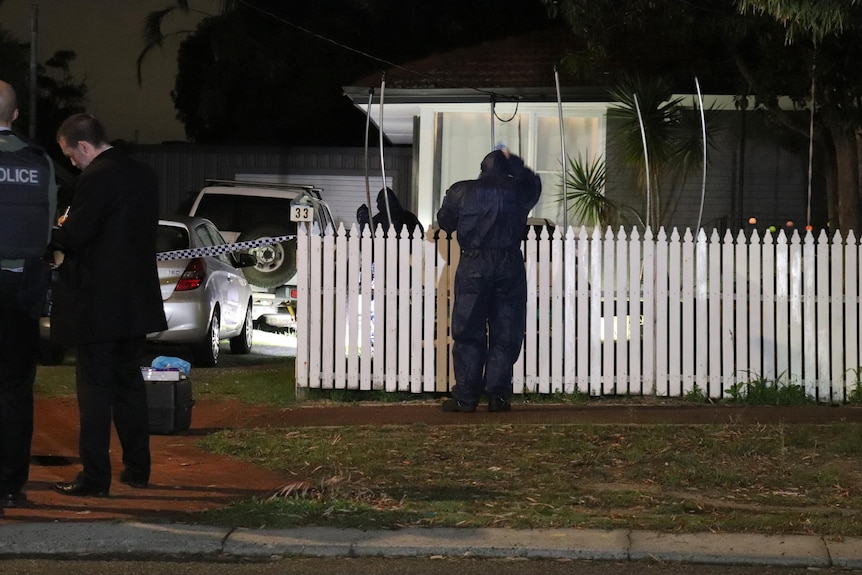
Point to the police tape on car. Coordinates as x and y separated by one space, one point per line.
222 249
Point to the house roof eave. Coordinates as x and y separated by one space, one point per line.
402 105
359 95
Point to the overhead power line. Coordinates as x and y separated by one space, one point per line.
363 53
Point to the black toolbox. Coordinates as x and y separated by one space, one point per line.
169 398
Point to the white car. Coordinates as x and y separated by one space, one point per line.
249 211
207 298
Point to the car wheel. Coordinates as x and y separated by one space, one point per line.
276 263
205 352
241 344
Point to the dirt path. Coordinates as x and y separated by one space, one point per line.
430 413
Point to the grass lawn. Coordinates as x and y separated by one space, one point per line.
731 478
797 478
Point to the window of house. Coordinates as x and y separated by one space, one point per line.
463 139
582 139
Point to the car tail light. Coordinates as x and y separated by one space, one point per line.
293 293
194 275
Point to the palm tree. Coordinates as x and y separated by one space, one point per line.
651 117
155 36
585 194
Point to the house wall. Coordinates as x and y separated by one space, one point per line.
754 169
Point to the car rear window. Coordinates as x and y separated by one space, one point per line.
170 238
241 213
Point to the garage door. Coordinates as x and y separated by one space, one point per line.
343 193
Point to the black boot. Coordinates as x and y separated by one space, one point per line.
454 405
499 404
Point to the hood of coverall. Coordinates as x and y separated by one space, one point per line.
394 204
494 164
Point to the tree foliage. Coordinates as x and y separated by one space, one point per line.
759 50
59 94
14 58
586 197
649 111
272 72
155 33
667 38
804 17
816 65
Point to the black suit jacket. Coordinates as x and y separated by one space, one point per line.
108 284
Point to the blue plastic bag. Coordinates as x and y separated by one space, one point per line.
165 362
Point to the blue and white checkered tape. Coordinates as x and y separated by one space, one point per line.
218 250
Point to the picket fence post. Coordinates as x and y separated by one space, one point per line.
609 312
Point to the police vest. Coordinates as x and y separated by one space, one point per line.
24 203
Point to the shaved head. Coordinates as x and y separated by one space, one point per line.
8 104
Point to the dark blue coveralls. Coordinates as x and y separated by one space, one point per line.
489 312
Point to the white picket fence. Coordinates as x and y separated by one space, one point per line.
607 314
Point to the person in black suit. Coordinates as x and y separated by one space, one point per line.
106 300
490 310
401 217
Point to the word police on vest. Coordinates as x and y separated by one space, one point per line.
19 176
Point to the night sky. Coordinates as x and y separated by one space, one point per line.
106 36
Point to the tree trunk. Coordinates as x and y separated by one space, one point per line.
830 177
847 171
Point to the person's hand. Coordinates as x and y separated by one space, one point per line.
58 258
62 219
